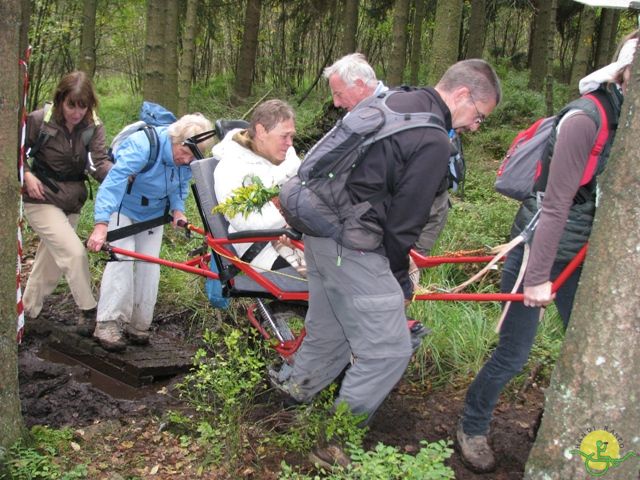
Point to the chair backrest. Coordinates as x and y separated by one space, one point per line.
204 191
225 126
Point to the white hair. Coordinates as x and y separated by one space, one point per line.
350 68
188 126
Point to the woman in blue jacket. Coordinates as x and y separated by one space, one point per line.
138 189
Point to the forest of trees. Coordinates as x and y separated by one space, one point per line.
164 46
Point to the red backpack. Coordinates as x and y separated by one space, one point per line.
525 167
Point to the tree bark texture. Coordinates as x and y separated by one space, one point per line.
399 49
189 34
596 382
543 31
349 26
248 51
477 29
171 56
11 426
154 52
584 47
416 41
87 61
446 36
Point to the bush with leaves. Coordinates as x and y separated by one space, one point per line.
42 457
386 463
222 387
247 199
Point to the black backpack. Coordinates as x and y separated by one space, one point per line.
316 201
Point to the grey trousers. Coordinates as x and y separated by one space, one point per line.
437 220
356 313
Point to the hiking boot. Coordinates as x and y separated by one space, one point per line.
475 451
86 322
278 379
416 332
329 457
136 336
109 336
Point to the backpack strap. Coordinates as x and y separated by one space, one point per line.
154 151
44 134
602 110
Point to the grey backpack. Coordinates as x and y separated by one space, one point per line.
316 201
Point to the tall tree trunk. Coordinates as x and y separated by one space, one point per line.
87 61
543 36
582 56
349 26
446 38
11 425
477 26
596 380
153 80
608 24
248 51
171 56
399 49
189 34
416 40
550 57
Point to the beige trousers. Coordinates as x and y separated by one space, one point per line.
60 252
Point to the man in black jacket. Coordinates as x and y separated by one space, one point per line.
357 298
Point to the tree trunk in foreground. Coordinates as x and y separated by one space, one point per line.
595 388
11 426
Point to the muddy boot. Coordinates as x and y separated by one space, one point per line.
475 451
109 336
329 456
136 336
86 322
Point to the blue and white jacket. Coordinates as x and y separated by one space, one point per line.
163 184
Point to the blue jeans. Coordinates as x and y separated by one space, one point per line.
516 338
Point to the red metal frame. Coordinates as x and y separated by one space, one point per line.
199 266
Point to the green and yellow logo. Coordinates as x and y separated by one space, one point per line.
600 451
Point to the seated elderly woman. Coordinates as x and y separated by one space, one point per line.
264 150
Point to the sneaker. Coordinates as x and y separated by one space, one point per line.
416 332
136 336
475 451
329 457
86 323
109 336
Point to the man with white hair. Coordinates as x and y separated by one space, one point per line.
357 298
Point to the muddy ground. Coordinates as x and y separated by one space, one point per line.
59 394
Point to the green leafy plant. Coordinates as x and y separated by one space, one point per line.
386 463
43 457
222 387
247 199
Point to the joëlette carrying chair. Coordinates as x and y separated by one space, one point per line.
285 288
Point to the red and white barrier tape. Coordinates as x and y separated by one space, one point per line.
24 64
